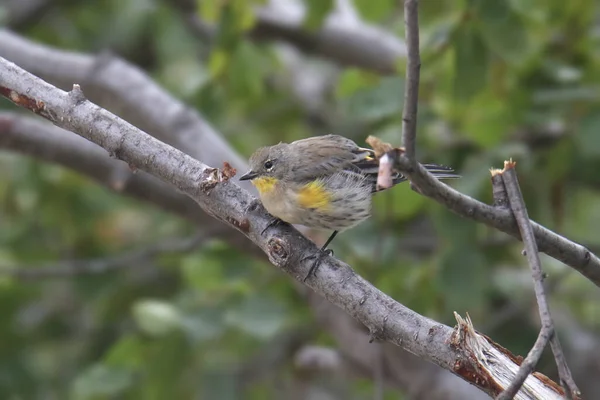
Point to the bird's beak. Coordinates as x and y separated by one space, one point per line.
248 176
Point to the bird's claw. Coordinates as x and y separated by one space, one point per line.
318 256
272 223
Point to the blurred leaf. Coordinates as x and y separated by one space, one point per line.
475 172
559 159
204 325
258 316
210 11
463 278
398 203
155 317
567 94
471 62
352 80
127 352
100 380
488 119
219 385
245 75
375 10
202 272
502 29
316 11
588 135
245 15
219 59
438 38
385 99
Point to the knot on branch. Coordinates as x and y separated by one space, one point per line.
278 251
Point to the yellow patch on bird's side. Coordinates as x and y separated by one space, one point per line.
265 184
314 195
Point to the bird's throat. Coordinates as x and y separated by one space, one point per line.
264 184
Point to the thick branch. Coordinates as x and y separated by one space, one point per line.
40 139
413 67
43 141
126 91
556 246
385 318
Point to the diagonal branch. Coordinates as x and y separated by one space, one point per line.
39 139
517 205
103 265
570 253
128 92
212 189
32 136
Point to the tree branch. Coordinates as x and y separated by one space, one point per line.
37 138
344 40
43 141
126 91
23 12
572 254
548 331
413 67
102 265
211 188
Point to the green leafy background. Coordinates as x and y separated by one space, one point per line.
499 79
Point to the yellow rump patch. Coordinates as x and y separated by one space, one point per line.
314 195
264 184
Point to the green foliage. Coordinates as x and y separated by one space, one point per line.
471 62
317 11
499 79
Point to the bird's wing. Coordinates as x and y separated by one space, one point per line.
324 155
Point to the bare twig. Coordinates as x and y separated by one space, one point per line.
132 259
572 254
216 194
413 68
517 205
528 364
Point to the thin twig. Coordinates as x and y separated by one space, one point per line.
517 205
133 258
570 253
529 363
413 67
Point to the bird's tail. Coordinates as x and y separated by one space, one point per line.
439 171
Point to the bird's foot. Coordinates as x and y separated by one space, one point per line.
318 256
274 222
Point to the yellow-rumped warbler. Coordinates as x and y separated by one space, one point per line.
322 182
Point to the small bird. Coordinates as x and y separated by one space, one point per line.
322 182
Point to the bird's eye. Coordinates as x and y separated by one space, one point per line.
268 165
